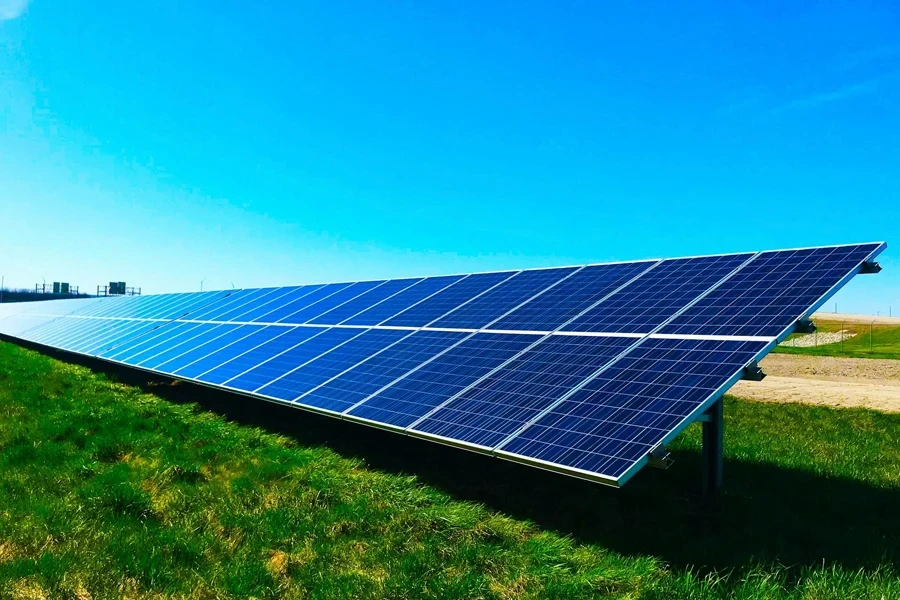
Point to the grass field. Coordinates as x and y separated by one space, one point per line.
884 341
116 485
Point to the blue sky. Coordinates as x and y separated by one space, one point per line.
275 143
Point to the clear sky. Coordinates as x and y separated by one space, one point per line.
269 143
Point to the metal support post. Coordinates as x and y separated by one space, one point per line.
712 450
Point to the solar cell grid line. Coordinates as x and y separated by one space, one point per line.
446 300
427 413
658 294
232 351
72 333
607 428
174 342
373 297
494 407
417 392
164 331
627 349
774 291
276 313
18 325
273 367
436 356
144 304
56 330
239 362
103 305
84 330
172 310
49 323
351 387
238 300
486 308
321 368
254 311
410 297
347 294
557 306
200 300
225 335
413 426
115 337
46 327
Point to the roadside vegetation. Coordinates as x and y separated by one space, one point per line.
115 485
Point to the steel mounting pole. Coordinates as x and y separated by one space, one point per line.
712 450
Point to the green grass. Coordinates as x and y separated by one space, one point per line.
883 342
112 490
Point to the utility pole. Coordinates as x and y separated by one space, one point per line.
201 283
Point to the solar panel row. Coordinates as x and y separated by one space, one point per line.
579 369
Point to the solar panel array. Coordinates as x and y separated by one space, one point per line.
584 370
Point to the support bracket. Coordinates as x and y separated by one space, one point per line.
753 372
805 326
660 458
870 267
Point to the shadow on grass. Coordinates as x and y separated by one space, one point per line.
768 514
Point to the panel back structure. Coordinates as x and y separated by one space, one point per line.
584 370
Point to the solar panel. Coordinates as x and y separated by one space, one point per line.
585 370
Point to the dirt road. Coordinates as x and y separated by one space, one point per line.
825 380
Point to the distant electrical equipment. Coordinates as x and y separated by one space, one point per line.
58 287
117 288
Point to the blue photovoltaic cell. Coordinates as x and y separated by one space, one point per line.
443 302
421 390
276 365
365 379
572 296
649 300
72 335
188 336
132 347
405 299
204 336
237 361
214 340
172 305
239 299
279 310
619 417
319 370
200 302
54 332
261 306
495 303
770 293
87 332
227 356
326 304
48 328
498 405
109 339
363 302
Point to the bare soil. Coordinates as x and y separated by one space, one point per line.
826 380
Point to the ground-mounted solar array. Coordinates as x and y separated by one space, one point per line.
586 370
